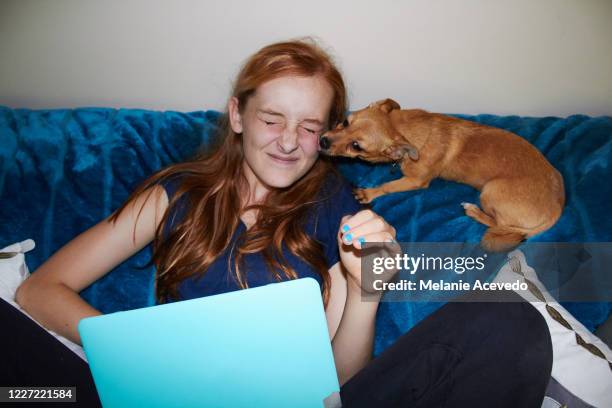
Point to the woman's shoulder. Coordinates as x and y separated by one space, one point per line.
335 201
337 196
171 184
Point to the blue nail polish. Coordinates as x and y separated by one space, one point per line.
361 240
345 228
349 237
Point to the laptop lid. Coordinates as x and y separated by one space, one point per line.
262 347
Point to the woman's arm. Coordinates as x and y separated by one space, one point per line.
354 317
337 299
351 322
51 294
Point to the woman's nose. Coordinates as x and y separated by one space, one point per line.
288 141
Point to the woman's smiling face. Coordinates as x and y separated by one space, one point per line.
280 125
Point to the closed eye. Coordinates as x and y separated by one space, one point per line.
311 131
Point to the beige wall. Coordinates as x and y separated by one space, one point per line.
528 57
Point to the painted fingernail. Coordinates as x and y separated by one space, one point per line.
348 237
361 240
345 228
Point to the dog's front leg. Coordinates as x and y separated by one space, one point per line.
366 195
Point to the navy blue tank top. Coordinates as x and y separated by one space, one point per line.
322 224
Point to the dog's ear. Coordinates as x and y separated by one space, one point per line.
399 151
386 105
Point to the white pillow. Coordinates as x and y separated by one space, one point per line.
576 369
13 271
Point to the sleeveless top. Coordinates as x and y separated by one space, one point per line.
322 224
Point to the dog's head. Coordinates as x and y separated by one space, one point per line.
369 134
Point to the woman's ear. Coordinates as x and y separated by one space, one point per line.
234 115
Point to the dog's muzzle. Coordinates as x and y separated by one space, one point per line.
324 142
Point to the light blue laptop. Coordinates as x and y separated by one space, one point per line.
262 347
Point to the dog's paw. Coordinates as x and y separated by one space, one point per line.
364 195
471 210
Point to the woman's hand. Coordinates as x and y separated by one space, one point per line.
364 227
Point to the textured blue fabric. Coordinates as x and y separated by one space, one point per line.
62 171
322 224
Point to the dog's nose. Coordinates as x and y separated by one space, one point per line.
324 143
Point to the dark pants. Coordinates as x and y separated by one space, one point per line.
492 354
463 355
29 356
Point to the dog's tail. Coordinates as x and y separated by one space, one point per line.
500 239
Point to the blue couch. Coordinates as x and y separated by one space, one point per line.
63 170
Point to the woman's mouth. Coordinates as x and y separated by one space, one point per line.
286 161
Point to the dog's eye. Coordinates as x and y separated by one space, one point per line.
345 123
355 146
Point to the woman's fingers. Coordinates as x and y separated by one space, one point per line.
352 221
375 237
365 226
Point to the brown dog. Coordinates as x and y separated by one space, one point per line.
522 194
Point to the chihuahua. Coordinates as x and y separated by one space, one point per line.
522 194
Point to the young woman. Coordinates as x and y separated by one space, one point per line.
265 207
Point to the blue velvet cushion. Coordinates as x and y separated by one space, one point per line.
62 171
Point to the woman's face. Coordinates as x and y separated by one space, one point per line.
280 125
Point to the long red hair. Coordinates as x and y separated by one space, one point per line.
212 182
